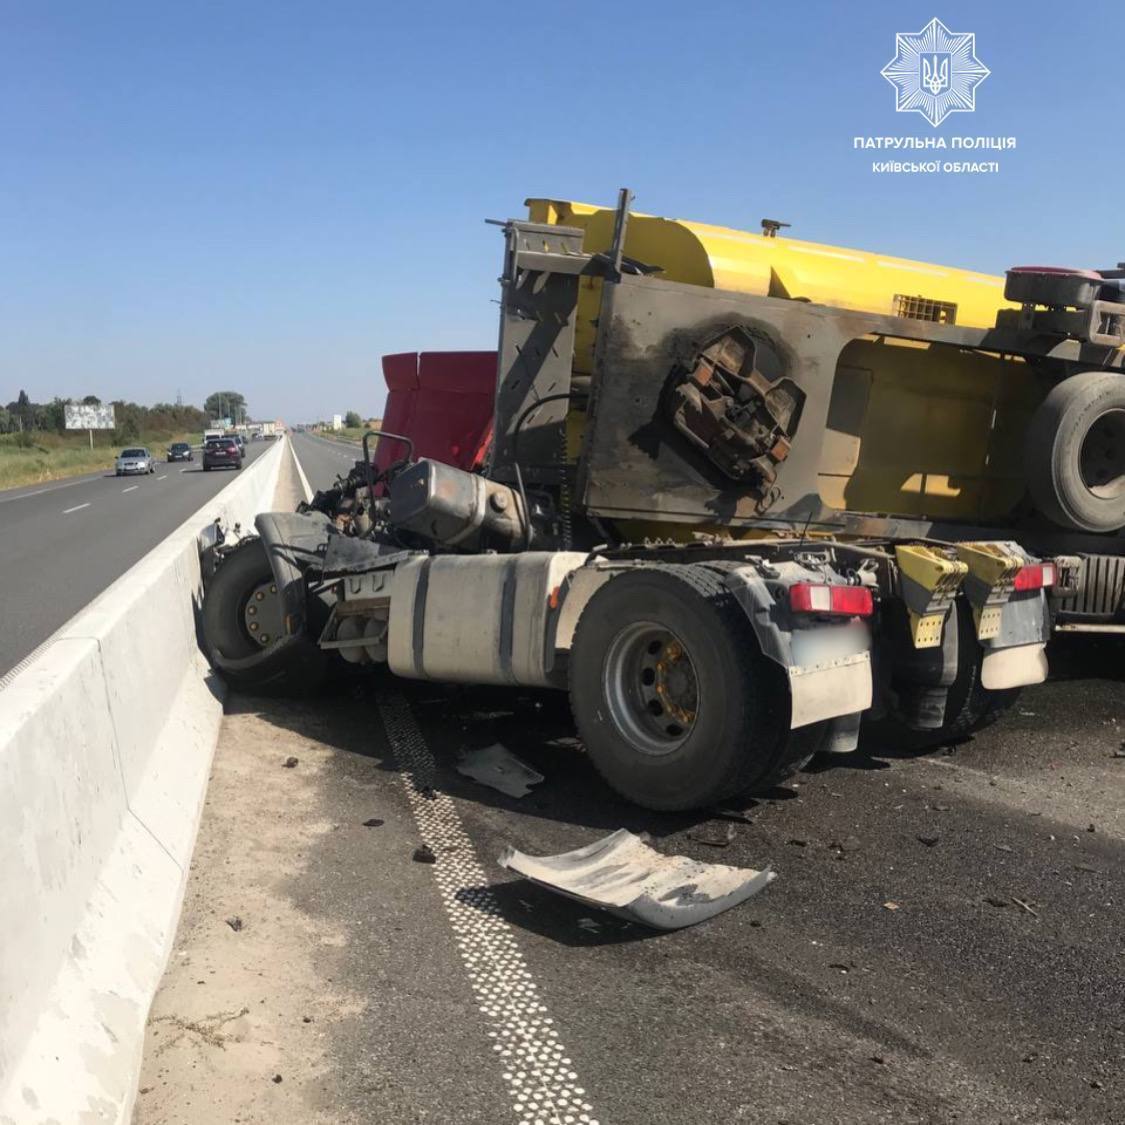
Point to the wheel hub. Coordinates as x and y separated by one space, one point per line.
1102 458
651 687
263 616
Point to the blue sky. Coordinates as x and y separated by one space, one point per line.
267 196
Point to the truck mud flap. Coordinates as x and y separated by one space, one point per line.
622 874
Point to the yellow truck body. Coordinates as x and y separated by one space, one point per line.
914 429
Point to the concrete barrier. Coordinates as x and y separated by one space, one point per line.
106 738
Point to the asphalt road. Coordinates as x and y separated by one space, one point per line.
943 942
322 459
63 542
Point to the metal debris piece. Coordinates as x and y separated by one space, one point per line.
622 874
290 763
497 767
235 923
424 854
373 822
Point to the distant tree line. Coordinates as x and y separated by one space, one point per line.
26 416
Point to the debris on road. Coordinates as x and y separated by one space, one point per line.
290 762
723 841
235 923
424 854
929 841
995 900
497 767
890 906
373 822
622 874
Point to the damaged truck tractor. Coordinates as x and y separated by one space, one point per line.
673 493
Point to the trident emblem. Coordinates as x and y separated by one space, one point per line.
935 73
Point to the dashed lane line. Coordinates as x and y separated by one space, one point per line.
164 477
53 488
539 1075
131 488
76 508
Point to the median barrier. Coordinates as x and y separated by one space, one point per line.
106 738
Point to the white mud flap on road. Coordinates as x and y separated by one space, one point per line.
623 875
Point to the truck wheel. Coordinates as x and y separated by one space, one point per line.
675 703
969 707
243 629
1075 453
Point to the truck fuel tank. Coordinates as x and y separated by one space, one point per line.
455 508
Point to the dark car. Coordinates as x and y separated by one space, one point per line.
222 453
180 451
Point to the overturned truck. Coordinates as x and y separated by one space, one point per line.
736 494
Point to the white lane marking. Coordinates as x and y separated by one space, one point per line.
165 477
543 1085
301 473
76 508
185 470
131 488
53 488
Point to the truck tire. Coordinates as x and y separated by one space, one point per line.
283 666
676 705
969 706
1075 453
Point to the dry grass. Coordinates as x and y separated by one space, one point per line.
35 457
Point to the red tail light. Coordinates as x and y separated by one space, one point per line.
1037 576
840 601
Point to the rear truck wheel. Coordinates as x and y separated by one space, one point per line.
244 629
675 703
969 706
1075 453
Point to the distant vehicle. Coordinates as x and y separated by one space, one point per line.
136 460
209 435
222 453
180 451
241 443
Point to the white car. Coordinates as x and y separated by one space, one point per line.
135 460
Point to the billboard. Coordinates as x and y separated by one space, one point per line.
79 417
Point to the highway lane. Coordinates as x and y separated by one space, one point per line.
322 459
63 542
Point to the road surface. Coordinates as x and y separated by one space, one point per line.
943 943
63 542
323 459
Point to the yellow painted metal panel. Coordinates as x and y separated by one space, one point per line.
721 258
